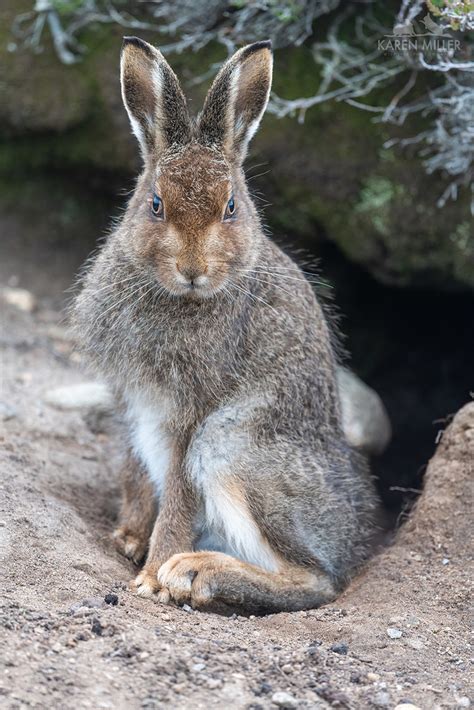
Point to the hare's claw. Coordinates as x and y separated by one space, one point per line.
146 584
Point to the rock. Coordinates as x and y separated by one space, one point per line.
263 689
463 702
341 648
364 418
415 643
394 633
7 412
87 395
96 627
198 667
382 699
20 298
111 599
372 677
90 603
406 706
284 700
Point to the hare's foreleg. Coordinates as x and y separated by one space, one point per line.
173 531
212 580
138 510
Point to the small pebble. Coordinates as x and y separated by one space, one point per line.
284 700
382 699
394 633
406 706
90 603
111 599
198 667
187 608
263 689
97 627
341 648
445 561
415 643
213 683
7 412
463 702
373 677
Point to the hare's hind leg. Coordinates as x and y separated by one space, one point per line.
212 580
138 511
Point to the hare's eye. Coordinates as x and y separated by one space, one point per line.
230 208
157 206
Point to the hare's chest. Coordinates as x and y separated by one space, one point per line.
149 425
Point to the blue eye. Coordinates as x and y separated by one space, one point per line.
230 208
157 206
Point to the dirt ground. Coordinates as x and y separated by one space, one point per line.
398 635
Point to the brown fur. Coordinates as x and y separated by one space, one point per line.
173 529
138 511
218 337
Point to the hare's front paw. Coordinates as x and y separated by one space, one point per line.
146 583
130 543
189 577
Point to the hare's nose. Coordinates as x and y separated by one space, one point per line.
194 275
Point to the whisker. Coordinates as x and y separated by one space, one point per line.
114 283
254 177
252 295
146 293
285 276
261 281
130 293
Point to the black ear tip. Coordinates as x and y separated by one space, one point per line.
263 44
256 47
137 42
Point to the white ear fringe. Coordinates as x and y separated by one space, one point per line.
137 129
240 131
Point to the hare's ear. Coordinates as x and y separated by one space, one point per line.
237 100
153 98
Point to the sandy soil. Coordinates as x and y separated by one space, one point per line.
398 635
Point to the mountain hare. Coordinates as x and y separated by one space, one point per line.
239 483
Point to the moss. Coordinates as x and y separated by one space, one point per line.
376 198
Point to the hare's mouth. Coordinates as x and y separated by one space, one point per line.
195 285
196 288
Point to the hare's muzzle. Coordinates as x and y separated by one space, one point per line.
192 277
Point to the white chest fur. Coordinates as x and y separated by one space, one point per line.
150 438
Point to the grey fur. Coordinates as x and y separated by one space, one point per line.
259 347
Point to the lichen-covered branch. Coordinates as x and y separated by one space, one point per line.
424 38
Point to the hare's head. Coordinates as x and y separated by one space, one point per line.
191 220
